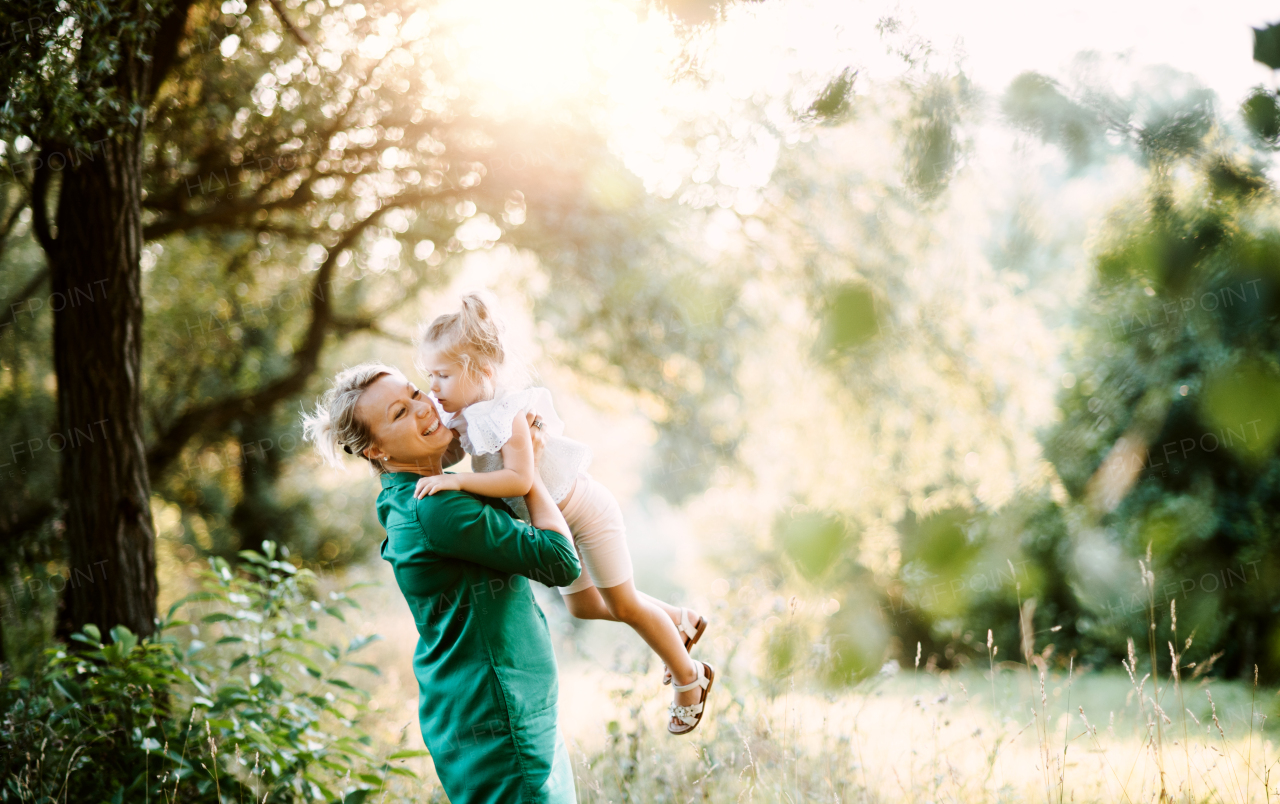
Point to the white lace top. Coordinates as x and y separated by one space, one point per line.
484 427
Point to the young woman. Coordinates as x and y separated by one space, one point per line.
486 672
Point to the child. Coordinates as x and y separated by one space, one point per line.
463 354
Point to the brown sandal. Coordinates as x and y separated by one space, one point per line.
691 716
692 633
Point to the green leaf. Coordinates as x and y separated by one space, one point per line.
421 752
1261 114
126 639
305 661
359 642
850 320
216 617
68 688
1266 46
191 598
814 540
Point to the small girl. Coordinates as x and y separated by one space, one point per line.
463 354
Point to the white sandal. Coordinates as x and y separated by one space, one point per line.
692 633
691 716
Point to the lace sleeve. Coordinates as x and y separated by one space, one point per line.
488 424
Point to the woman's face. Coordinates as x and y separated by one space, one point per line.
404 424
453 388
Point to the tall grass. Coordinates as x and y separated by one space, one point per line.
1012 731
1009 731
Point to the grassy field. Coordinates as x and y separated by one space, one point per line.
927 738
1002 733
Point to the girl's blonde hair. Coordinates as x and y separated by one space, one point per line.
474 337
334 425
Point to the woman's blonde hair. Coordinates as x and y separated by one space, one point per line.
334 425
474 337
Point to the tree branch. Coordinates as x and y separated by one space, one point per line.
10 221
40 209
216 415
165 51
297 33
225 215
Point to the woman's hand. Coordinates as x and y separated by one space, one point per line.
538 435
430 485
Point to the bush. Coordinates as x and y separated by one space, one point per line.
254 705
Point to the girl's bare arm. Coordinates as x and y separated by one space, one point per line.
515 479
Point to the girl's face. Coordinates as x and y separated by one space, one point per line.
453 388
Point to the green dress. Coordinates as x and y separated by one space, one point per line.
486 672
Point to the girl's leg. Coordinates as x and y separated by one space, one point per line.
655 626
672 611
588 605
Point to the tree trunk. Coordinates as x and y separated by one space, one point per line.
97 345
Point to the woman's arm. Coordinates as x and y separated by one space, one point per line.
543 512
460 526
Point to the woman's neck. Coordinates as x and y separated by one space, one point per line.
426 466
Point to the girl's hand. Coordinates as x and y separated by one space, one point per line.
430 485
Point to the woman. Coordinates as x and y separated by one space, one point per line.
486 672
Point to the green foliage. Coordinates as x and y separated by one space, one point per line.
66 67
261 702
1036 103
832 106
1178 391
849 321
1261 114
932 135
813 540
84 728
1164 117
1266 46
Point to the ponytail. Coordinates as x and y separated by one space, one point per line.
474 337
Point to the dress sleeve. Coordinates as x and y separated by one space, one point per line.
459 525
488 423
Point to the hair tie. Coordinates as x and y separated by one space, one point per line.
348 449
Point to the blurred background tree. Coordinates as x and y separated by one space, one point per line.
850 343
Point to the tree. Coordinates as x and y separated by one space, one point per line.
1168 443
320 138
79 82
305 172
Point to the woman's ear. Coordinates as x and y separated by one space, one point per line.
374 453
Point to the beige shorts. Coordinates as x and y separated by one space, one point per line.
596 523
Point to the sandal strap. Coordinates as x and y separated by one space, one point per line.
690 630
700 681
